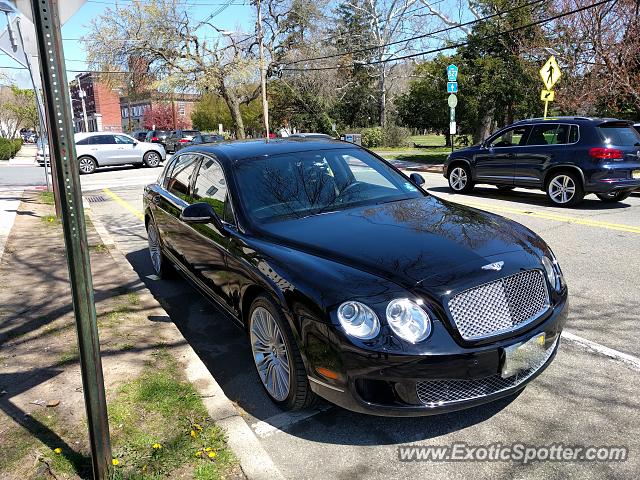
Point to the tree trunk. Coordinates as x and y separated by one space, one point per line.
236 117
382 85
483 129
447 139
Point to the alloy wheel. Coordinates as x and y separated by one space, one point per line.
270 353
458 178
562 189
154 248
86 165
152 159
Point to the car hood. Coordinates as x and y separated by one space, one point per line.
407 241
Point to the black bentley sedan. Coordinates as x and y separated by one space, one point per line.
352 282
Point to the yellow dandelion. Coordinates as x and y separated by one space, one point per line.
208 449
115 462
156 446
57 450
193 434
198 453
197 427
212 454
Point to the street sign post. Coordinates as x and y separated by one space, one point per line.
46 18
452 87
452 100
550 74
452 73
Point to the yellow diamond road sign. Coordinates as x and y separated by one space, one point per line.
550 73
547 95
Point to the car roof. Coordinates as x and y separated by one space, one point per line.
81 135
574 119
232 151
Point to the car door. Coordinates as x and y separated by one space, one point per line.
204 246
171 141
127 151
496 161
169 205
104 149
546 144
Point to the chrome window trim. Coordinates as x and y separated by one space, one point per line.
226 179
548 145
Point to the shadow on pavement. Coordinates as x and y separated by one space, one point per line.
529 197
224 349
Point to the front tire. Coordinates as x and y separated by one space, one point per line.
161 266
277 357
87 165
612 197
460 179
564 189
152 159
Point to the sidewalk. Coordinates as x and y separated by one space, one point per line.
159 416
25 156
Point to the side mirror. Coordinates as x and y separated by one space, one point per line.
202 212
417 179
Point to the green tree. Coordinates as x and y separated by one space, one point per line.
18 109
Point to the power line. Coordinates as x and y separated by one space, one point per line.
185 3
455 45
418 37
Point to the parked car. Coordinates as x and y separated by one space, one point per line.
157 136
140 135
352 282
99 149
42 148
179 136
199 139
637 127
567 157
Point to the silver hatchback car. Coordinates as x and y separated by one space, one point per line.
99 149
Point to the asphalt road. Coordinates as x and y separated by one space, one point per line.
583 398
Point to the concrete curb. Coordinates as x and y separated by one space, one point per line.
254 460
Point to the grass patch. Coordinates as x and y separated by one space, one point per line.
422 158
47 198
126 304
160 425
70 355
99 248
51 220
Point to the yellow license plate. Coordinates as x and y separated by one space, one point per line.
635 174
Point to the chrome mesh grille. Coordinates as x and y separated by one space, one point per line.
500 306
433 393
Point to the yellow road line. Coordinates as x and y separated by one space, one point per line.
124 203
556 217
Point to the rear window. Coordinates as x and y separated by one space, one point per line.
622 136
190 132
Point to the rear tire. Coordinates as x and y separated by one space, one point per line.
612 197
161 266
277 357
564 189
152 159
460 178
86 165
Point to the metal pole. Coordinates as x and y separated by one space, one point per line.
56 91
263 71
546 105
39 105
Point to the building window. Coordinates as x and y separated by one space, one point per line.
182 111
125 113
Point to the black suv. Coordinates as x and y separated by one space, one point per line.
567 157
157 136
177 137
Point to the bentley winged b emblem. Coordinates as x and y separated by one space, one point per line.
497 266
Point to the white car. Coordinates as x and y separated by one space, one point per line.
99 149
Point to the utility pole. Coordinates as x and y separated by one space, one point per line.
263 69
46 18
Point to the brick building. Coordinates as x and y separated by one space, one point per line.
102 105
132 111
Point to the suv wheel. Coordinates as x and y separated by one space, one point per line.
86 165
152 159
277 357
460 179
564 189
611 197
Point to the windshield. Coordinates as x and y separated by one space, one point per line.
621 136
300 184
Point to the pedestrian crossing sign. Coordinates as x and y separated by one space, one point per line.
550 73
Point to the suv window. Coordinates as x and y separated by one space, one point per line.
121 139
510 138
621 136
101 140
211 187
84 141
552 134
181 176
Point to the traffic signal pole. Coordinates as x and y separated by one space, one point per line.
59 118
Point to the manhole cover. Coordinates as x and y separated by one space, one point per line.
95 198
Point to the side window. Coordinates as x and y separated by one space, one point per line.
211 186
511 138
574 135
181 176
165 176
84 141
121 139
102 140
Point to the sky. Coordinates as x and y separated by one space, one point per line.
232 15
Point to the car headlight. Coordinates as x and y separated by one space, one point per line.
553 272
358 320
408 320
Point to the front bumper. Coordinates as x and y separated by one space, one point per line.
410 385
